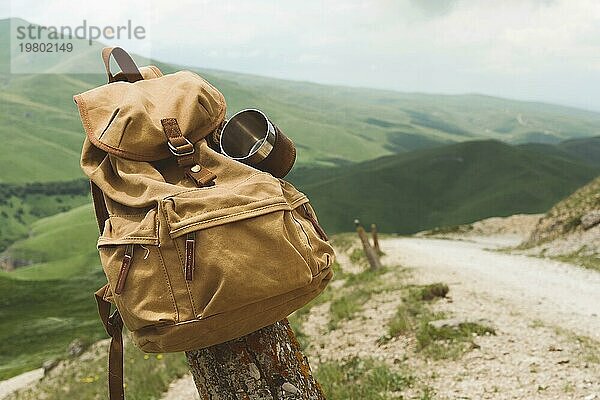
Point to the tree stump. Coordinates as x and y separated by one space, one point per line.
264 365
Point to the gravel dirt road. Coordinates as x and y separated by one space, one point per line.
553 292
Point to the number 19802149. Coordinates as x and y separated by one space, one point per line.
45 47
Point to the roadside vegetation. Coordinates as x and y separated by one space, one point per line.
147 376
363 379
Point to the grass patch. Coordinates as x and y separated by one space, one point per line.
147 376
449 341
433 291
345 307
358 256
39 318
590 347
47 305
358 289
584 260
22 205
414 315
361 379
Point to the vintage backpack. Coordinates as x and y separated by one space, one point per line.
198 248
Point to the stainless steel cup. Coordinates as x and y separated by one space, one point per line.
251 138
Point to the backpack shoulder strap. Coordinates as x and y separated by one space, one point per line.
113 324
125 62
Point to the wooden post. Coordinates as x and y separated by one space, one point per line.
264 365
372 256
375 238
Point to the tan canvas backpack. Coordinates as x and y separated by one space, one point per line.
198 248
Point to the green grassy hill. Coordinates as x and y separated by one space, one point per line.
46 305
587 149
584 149
330 124
448 185
23 204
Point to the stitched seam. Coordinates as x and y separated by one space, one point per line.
222 208
298 202
228 216
227 208
170 286
212 187
105 239
128 215
157 72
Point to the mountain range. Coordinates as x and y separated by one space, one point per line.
330 125
449 185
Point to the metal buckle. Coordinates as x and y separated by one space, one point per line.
176 152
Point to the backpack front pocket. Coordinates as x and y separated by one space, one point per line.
136 273
253 250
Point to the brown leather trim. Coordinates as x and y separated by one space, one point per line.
190 245
124 271
202 178
193 137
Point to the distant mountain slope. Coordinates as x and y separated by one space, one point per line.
448 185
586 150
41 134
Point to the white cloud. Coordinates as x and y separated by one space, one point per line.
533 49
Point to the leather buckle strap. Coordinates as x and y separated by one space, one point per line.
178 144
183 149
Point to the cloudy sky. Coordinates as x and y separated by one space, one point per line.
546 50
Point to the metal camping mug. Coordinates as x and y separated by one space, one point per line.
251 138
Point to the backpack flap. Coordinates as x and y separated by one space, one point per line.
124 118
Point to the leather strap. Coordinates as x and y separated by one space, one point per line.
113 324
129 69
184 150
